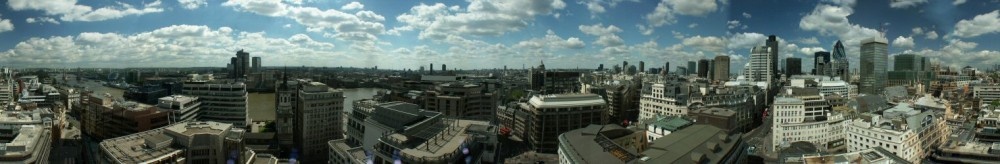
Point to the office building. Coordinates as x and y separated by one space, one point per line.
181 107
601 144
821 64
104 117
240 65
26 136
692 68
902 130
772 44
874 65
721 68
759 69
223 100
986 93
398 131
185 142
256 65
461 100
663 99
642 66
910 70
839 62
666 69
660 126
551 115
697 144
552 82
793 66
703 68
874 155
969 151
318 119
798 120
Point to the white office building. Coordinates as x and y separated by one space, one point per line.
986 93
761 66
662 100
905 132
222 100
795 121
181 108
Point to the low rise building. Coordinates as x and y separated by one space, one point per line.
181 107
185 142
25 136
902 130
663 125
697 144
966 152
601 144
794 122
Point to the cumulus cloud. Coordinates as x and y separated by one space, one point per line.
480 17
551 41
958 53
741 41
905 3
903 42
5 25
664 12
958 2
747 15
599 6
192 4
987 23
41 20
177 45
733 24
353 6
932 35
831 20
810 40
361 27
70 11
606 36
707 43
810 51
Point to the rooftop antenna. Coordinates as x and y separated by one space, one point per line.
883 30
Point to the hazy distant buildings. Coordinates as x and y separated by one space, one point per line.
793 66
461 100
721 68
255 67
240 65
821 64
222 100
874 65
703 68
552 82
692 68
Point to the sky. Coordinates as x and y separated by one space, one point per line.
473 34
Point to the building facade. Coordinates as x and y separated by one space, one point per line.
460 100
318 120
901 130
551 115
874 65
721 68
182 108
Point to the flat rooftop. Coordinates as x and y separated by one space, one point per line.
133 148
566 100
192 128
178 99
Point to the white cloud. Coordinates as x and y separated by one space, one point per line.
273 8
69 10
732 24
664 12
178 45
905 3
917 31
903 42
742 41
846 3
550 41
600 6
605 35
5 25
959 53
192 4
707 43
958 2
481 18
747 15
987 23
353 6
595 8
831 20
41 20
692 25
361 27
810 40
810 51
932 35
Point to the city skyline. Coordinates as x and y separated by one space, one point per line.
479 34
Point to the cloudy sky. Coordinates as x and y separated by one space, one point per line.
468 34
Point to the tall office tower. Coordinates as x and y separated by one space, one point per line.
821 64
772 42
874 61
256 64
910 69
793 66
840 64
759 67
691 68
642 66
908 62
317 120
444 68
703 68
234 64
242 64
666 68
432 68
711 69
624 66
222 100
721 68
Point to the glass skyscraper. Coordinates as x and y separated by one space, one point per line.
874 65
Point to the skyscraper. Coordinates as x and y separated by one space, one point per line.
256 64
874 61
772 43
793 66
642 66
703 68
821 64
760 67
432 68
444 68
691 68
666 69
839 61
721 68
910 69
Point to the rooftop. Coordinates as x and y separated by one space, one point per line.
582 144
178 99
133 148
192 128
670 123
867 156
566 100
695 144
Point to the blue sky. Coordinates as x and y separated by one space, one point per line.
468 34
